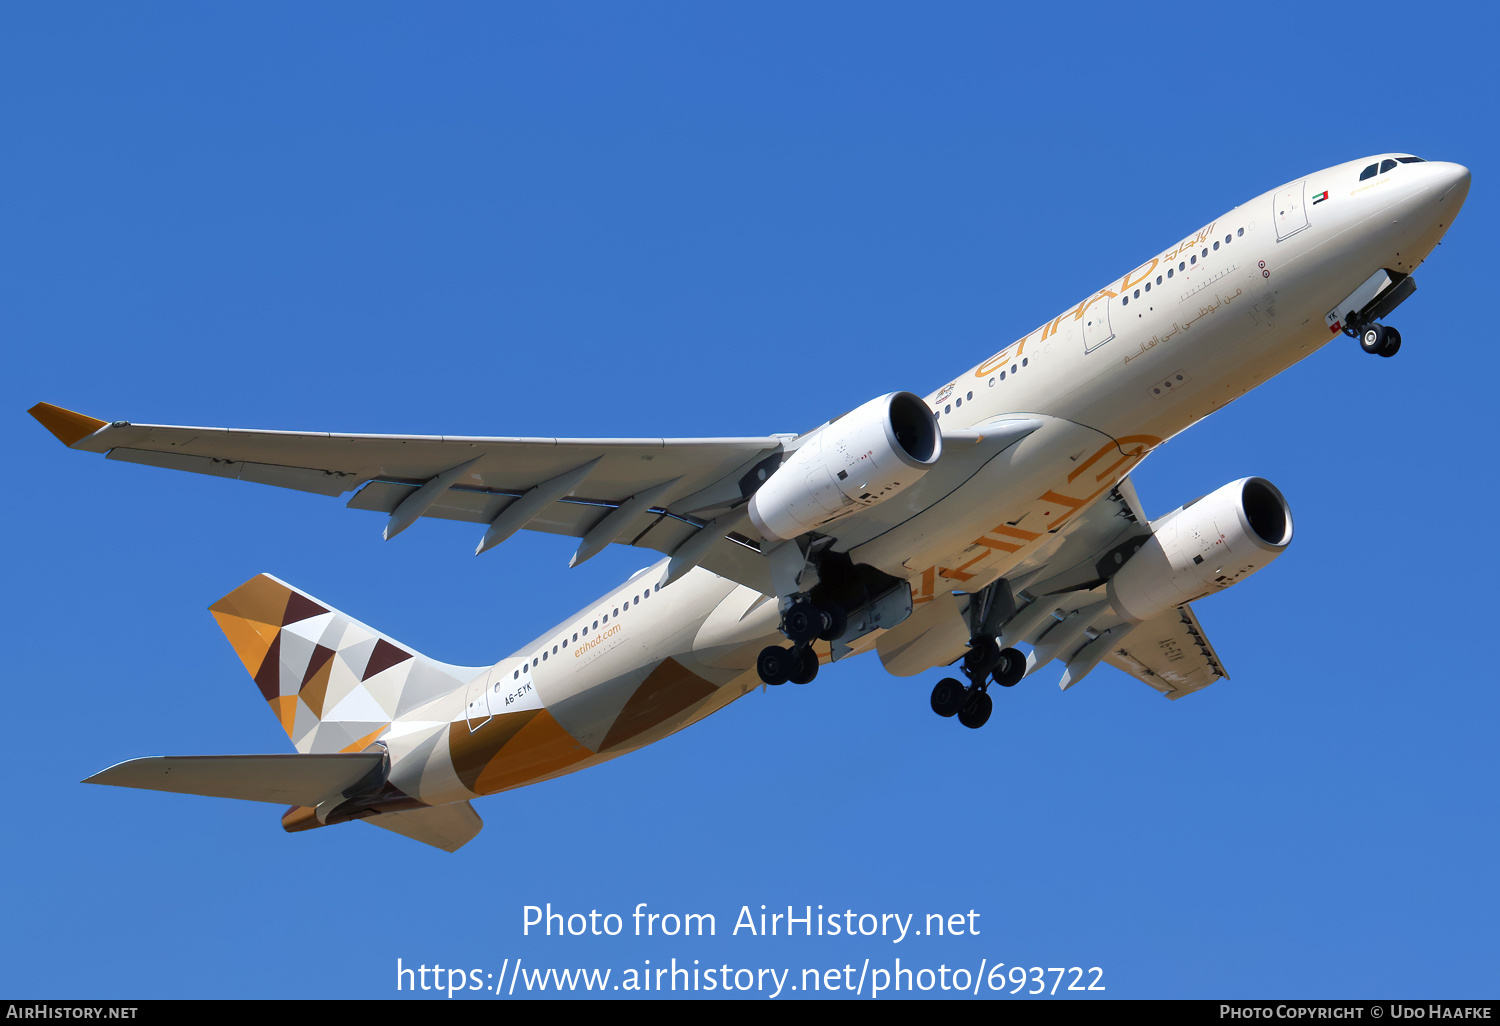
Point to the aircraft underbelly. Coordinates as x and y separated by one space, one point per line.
1028 490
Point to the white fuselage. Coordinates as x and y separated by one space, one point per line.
1132 364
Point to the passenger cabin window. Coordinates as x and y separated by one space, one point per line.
1369 172
1386 165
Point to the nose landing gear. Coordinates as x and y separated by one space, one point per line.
1380 340
1381 293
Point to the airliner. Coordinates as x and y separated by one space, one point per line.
991 526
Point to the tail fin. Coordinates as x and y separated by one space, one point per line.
334 684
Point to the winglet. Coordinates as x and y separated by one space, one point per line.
69 427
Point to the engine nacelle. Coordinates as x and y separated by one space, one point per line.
1203 547
849 464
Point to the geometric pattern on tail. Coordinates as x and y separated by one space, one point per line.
333 683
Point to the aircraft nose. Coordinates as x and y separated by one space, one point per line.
1452 181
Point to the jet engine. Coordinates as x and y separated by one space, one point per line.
1203 547
847 465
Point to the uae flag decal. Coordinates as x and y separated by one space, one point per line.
1320 197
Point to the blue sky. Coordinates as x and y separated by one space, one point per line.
675 219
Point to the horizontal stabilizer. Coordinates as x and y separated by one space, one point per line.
281 779
448 827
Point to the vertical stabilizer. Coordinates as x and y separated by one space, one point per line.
334 684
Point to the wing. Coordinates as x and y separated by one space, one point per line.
652 492
1071 619
1169 652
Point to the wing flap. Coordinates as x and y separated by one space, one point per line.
572 517
470 505
1171 653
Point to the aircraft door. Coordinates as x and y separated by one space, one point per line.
1096 329
477 700
1289 210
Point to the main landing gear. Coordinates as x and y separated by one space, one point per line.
985 663
802 623
1379 339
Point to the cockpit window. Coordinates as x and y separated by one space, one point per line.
1369 172
1411 160
1386 165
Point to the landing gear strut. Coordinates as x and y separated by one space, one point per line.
1373 301
984 663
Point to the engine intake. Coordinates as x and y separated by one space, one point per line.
847 465
1205 546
